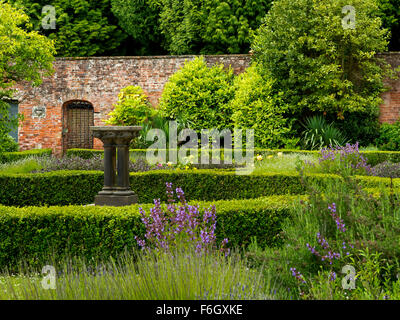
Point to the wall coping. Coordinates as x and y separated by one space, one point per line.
151 57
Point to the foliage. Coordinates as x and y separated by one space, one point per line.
343 160
161 122
131 109
210 27
34 234
25 165
8 144
132 276
83 28
389 11
256 106
357 126
338 224
8 157
95 163
24 56
319 134
60 187
84 153
373 157
389 137
199 94
140 19
387 169
180 225
320 65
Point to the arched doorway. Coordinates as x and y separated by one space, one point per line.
78 116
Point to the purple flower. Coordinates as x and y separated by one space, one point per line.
180 220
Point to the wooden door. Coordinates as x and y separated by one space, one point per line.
80 117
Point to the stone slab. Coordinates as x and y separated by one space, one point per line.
115 201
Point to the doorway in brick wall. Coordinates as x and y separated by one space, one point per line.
78 116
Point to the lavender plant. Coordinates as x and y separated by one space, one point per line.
95 163
179 223
387 169
344 160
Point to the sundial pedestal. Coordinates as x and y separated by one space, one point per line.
116 191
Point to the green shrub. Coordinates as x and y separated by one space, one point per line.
199 94
389 137
319 64
8 144
32 234
84 153
319 134
131 109
256 106
80 187
14 156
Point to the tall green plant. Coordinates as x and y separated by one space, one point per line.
319 134
83 27
24 56
319 64
199 94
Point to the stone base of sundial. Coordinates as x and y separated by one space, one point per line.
116 191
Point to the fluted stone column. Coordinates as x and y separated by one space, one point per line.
116 140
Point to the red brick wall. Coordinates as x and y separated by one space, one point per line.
98 80
390 109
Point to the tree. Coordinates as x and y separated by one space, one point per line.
389 11
83 27
24 56
139 18
256 106
210 27
199 94
320 64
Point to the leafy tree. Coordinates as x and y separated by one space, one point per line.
83 27
199 94
132 108
139 18
24 56
256 106
389 11
319 64
210 27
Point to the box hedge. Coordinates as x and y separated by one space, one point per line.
6 157
80 187
34 234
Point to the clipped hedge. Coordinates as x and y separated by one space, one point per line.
80 187
33 234
6 157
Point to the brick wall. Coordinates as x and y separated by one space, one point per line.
98 80
390 109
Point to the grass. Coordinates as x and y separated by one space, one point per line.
155 276
25 165
286 163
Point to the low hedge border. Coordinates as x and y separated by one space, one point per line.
7 157
80 187
33 234
373 157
